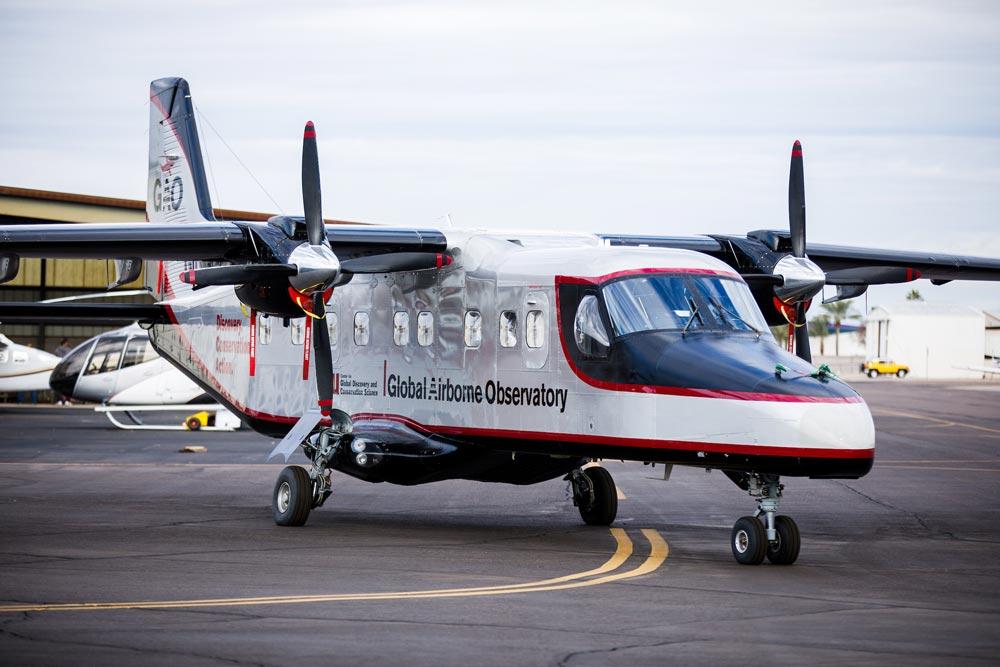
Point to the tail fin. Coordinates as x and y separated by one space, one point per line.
176 189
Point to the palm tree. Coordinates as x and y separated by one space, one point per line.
838 311
820 326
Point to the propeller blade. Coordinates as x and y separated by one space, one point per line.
802 334
797 202
396 261
312 199
236 275
321 355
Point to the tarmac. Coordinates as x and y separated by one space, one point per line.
115 547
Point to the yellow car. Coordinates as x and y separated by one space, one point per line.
877 367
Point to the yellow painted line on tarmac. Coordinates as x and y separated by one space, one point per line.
606 573
936 420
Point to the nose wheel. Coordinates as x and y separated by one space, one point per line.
595 495
298 490
766 534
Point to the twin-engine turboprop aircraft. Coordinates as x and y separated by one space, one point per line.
411 356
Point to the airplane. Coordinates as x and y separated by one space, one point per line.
410 356
24 368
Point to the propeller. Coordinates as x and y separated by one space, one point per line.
808 284
312 202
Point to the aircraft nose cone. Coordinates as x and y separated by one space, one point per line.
62 382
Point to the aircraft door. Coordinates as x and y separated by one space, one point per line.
98 380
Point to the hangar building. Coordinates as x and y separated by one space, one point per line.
41 279
935 341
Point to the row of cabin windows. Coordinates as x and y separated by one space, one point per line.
534 329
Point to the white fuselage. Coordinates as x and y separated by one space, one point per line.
401 349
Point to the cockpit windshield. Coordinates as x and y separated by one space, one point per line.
680 302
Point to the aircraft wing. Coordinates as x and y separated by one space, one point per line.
937 267
195 241
843 265
360 249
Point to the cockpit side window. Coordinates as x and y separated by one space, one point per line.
588 329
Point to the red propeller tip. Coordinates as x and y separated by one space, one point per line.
797 149
310 132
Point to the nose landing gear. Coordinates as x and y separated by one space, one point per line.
298 491
776 537
595 494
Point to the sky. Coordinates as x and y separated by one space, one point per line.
632 117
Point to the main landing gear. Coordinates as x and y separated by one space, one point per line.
595 494
298 490
776 537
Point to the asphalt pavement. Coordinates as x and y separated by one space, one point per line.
116 547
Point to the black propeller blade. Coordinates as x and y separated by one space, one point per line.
236 275
802 334
312 199
797 202
322 356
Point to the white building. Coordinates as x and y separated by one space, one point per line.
935 341
993 333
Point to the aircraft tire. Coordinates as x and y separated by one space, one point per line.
786 550
604 509
292 498
749 541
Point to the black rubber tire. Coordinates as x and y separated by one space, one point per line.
299 498
786 550
873 373
748 541
603 510
193 423
901 374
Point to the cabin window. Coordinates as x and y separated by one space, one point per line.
298 331
508 328
425 328
361 330
473 328
331 326
588 329
138 351
401 328
106 356
534 329
263 329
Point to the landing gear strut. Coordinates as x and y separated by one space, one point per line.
595 494
776 536
298 490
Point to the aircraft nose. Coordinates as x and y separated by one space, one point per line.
62 381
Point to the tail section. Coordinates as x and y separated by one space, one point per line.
176 189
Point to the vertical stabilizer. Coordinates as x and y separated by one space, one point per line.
176 188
